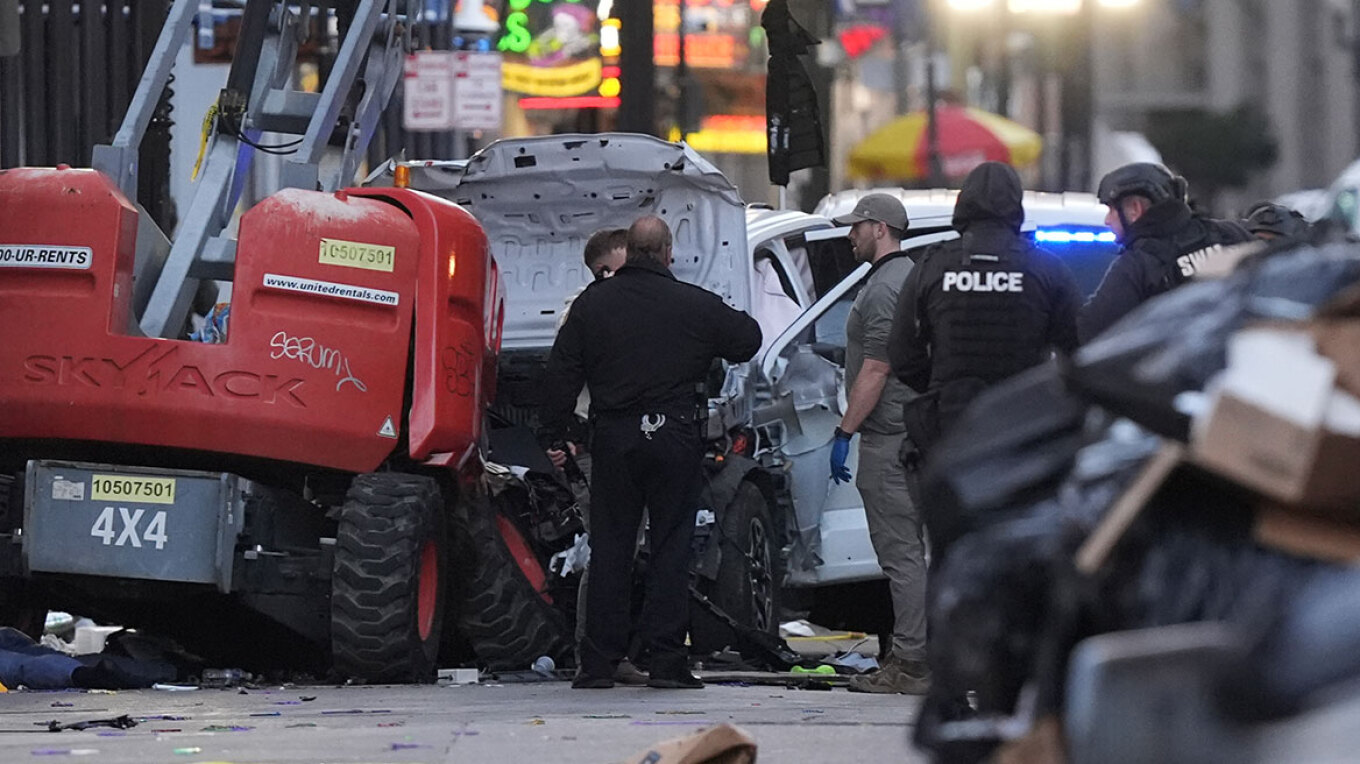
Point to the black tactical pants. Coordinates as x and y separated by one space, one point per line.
662 473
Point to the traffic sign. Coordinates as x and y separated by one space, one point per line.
427 102
477 91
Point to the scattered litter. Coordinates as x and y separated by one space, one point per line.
822 669
173 687
683 713
856 661
798 628
229 677
65 751
813 711
609 716
162 718
287 702
544 666
307 724
306 698
537 722
187 751
226 728
59 704
119 722
407 746
724 743
391 724
456 676
357 711
110 733
97 691
268 713
171 729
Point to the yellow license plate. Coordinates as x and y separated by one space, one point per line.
132 488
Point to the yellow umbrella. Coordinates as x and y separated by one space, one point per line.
967 137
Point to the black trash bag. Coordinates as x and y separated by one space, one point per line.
1012 446
1006 607
1175 343
987 605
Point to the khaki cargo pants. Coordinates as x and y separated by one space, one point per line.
895 530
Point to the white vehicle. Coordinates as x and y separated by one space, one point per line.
773 520
804 369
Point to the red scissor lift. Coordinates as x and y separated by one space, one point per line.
313 466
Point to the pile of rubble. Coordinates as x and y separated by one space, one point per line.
1144 554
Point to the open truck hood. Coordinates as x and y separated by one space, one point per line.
540 198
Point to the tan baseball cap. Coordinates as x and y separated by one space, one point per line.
881 208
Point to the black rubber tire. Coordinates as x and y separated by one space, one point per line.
504 618
384 526
749 574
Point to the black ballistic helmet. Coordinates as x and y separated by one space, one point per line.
1144 179
1277 219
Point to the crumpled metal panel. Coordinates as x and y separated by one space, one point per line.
540 198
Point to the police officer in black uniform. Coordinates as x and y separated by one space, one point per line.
643 342
1164 243
980 308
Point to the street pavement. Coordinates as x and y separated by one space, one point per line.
503 723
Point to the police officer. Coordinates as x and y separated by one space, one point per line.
643 342
979 308
874 410
1164 243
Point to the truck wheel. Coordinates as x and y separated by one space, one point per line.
506 616
386 587
747 584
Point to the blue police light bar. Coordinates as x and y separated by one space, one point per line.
1069 236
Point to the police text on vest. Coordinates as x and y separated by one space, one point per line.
984 281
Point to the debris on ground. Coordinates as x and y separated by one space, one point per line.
722 744
118 722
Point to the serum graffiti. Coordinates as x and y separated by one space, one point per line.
312 353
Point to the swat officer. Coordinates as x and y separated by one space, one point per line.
980 308
643 342
1164 243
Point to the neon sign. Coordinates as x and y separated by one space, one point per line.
517 37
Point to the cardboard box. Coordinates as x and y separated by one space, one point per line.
1289 530
1339 341
1279 424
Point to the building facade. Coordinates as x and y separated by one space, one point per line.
1295 61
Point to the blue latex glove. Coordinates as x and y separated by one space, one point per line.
839 451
